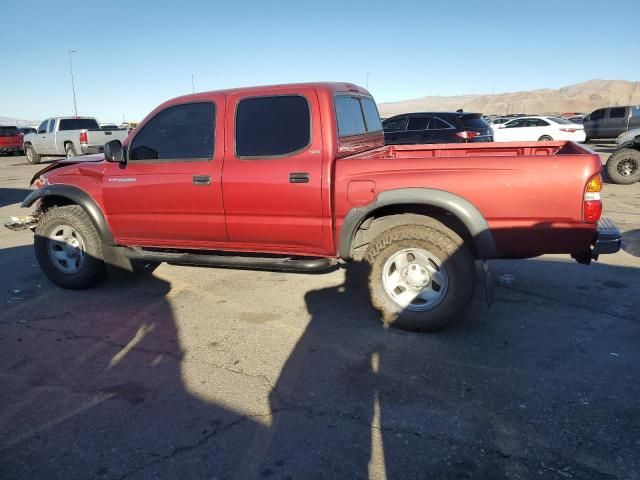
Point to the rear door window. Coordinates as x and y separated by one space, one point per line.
515 123
439 124
417 123
395 125
272 126
179 132
473 122
618 112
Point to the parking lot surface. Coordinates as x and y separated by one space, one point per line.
214 373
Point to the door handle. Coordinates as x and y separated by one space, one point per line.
201 180
298 177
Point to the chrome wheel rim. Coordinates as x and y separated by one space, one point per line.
69 154
627 167
66 249
29 155
415 279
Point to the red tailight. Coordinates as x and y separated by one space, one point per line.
467 135
83 137
570 130
592 205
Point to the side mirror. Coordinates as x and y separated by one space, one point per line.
113 152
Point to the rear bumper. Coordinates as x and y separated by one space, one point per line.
91 149
10 148
608 239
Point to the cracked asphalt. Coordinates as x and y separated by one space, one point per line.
229 374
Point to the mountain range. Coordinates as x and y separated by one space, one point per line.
582 97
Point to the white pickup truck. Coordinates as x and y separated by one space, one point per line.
68 137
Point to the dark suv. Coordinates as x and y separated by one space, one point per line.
436 127
611 122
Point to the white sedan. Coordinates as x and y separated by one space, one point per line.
526 129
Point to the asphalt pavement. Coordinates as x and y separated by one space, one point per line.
231 374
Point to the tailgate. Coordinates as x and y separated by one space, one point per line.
100 137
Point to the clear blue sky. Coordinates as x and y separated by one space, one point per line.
136 54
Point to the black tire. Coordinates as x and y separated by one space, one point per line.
32 157
545 138
70 150
623 166
91 269
443 244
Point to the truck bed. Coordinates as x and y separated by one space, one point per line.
507 149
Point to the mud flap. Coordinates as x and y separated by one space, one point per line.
488 284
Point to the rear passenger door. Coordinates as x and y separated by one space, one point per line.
272 177
441 131
416 132
616 123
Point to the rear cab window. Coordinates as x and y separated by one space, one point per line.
78 124
356 115
618 112
9 131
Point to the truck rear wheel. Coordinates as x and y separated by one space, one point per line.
623 166
70 150
69 249
421 276
32 157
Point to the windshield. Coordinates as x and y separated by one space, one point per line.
561 121
78 124
9 131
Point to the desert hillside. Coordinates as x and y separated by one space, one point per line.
582 97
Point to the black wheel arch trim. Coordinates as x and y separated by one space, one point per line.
461 208
79 197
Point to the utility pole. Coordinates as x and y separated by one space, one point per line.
493 89
73 85
193 84
368 73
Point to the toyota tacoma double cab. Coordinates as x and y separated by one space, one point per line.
297 177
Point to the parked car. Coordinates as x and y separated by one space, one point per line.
10 140
308 181
611 121
623 166
68 137
525 129
27 130
436 127
577 119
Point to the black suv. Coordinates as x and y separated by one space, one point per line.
436 127
611 122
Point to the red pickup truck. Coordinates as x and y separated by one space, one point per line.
297 177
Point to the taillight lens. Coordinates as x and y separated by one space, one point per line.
570 130
467 135
592 204
83 137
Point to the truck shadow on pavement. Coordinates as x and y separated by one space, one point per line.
94 385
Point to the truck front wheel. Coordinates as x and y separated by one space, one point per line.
421 276
32 157
623 166
68 248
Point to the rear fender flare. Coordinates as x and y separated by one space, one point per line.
464 210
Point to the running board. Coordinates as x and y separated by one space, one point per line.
218 259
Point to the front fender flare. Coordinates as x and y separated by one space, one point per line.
464 210
79 197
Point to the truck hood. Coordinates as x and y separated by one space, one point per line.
95 158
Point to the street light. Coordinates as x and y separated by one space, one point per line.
73 85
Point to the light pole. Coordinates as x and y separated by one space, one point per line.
368 73
493 88
73 85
